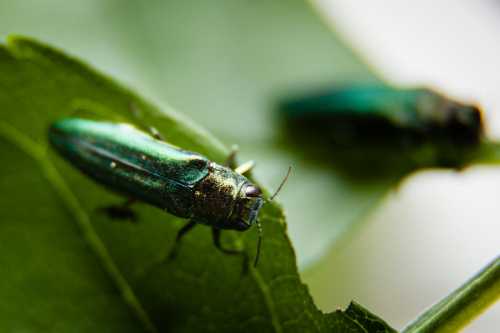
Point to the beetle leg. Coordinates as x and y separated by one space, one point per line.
231 158
188 226
245 167
216 237
136 112
155 133
231 162
122 211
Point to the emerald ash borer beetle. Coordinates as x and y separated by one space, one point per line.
145 168
435 128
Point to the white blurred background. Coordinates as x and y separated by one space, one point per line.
438 228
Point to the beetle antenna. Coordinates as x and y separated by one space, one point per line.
259 243
259 226
281 185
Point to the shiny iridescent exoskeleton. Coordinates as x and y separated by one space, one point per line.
374 116
144 168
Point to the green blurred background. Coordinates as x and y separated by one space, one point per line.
226 63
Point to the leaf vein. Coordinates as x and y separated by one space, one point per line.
39 154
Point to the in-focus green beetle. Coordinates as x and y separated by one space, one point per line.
145 168
374 116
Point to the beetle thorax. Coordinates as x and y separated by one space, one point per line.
215 195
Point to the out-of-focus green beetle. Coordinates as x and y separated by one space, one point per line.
380 117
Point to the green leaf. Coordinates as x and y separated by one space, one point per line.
464 304
366 320
66 267
226 63
240 59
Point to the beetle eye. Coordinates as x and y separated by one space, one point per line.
252 191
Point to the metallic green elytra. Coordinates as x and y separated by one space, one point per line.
147 169
376 114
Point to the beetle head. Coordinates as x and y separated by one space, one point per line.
464 122
248 203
